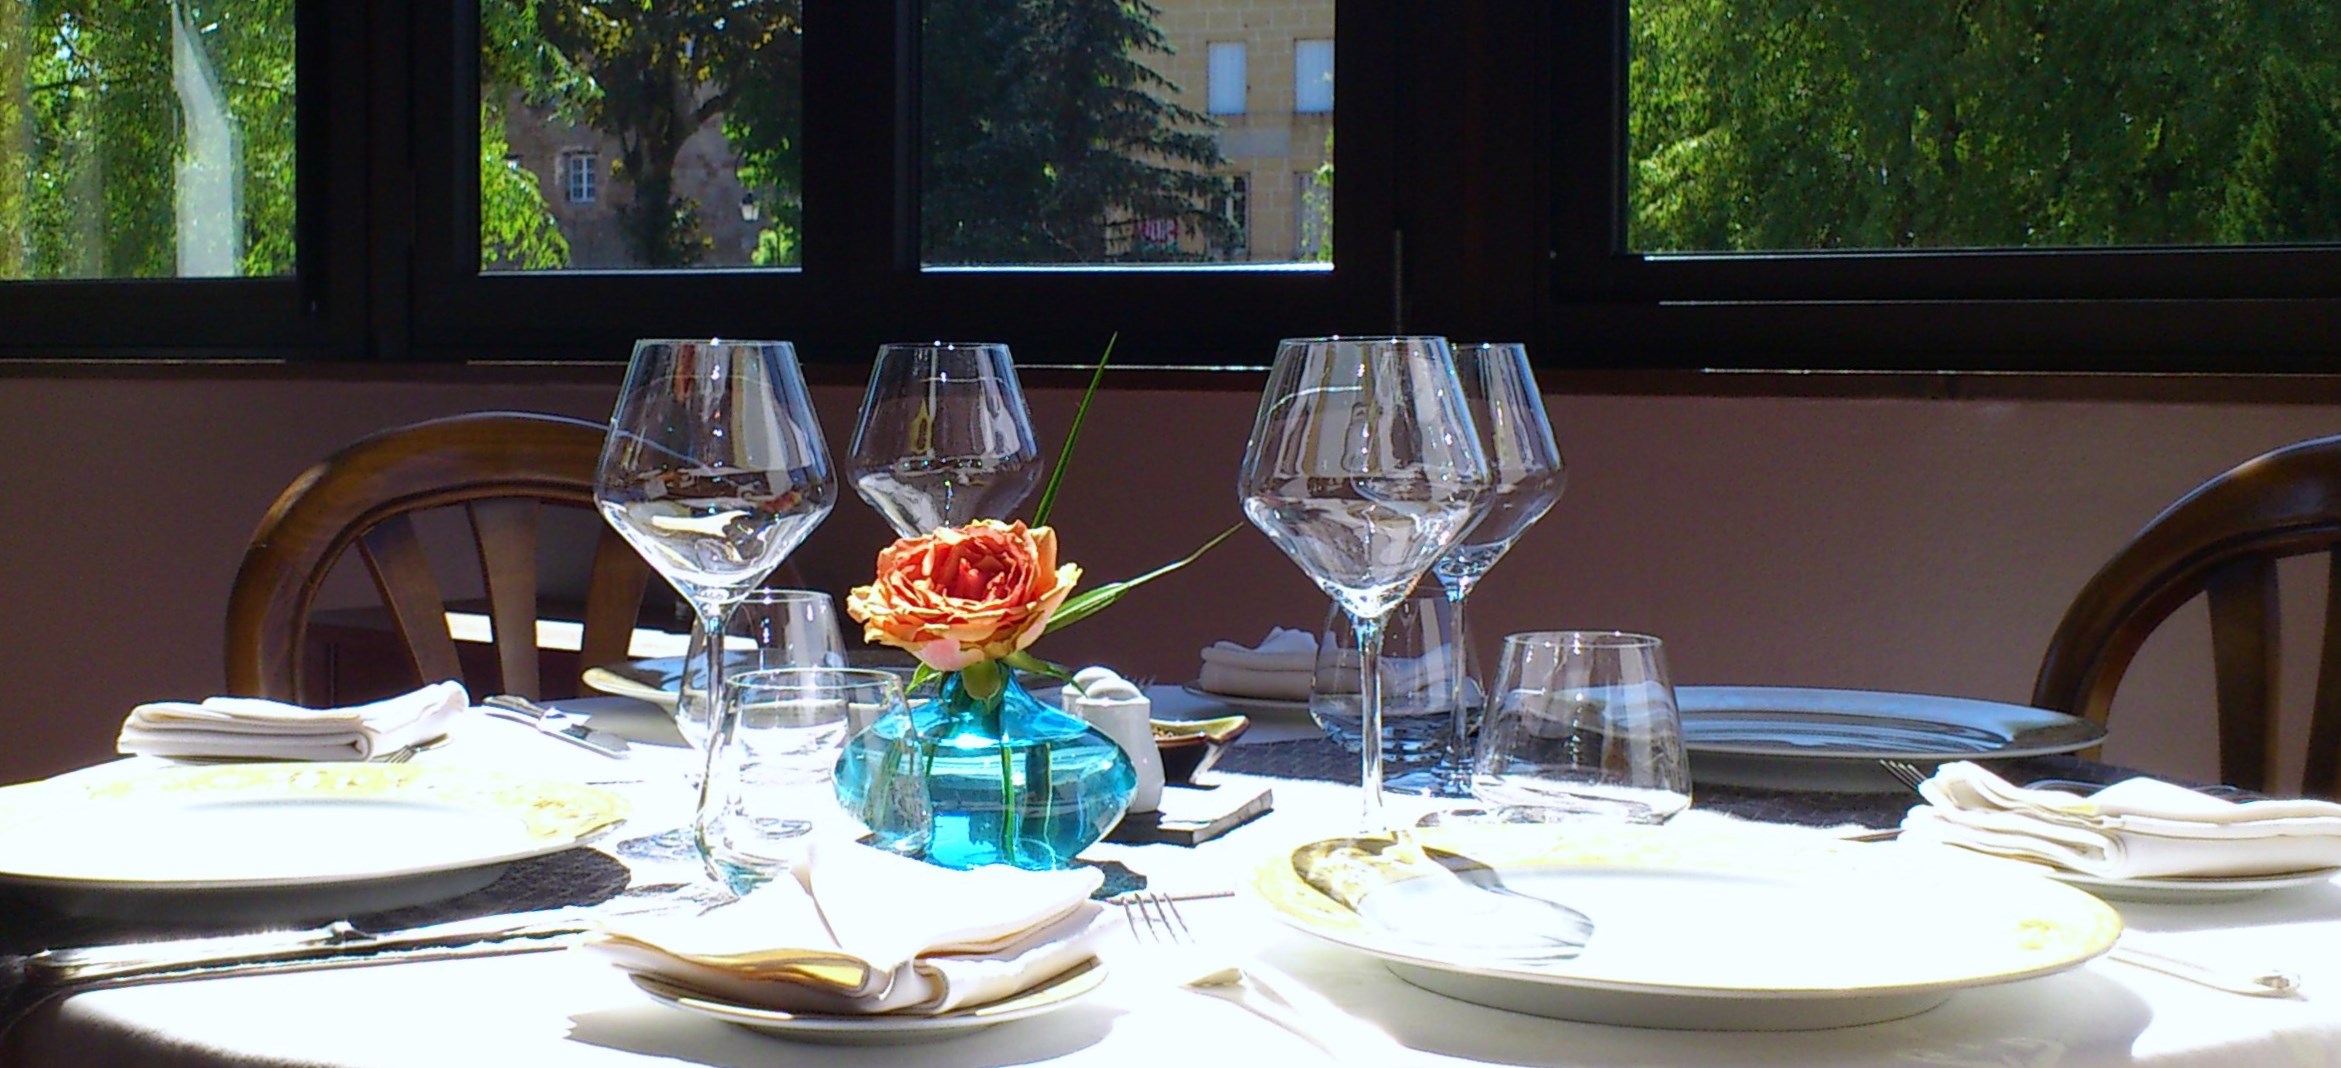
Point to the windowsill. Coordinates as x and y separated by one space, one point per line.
2165 388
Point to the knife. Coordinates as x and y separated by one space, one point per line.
567 726
28 982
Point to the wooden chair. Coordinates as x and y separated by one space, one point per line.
2223 541
500 466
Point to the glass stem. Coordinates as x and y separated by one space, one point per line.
1369 696
1458 677
714 620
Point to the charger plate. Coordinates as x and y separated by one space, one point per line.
884 1030
2184 890
1694 929
283 840
1806 738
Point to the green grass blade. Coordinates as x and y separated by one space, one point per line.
1048 495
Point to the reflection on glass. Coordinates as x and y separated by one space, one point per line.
629 136
1135 134
146 140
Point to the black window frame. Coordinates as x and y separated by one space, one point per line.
2198 310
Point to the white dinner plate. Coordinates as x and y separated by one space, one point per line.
1703 930
284 840
1804 738
884 1030
2191 890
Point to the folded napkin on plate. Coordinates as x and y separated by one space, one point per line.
858 930
272 730
2135 829
1280 666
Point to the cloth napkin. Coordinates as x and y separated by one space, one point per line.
273 730
1281 666
857 930
2135 829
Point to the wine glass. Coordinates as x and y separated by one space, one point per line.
1525 477
1364 467
1581 724
714 471
944 436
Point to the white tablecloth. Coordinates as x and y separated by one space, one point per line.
567 1008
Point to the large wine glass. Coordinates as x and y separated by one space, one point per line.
944 436
1364 467
1525 478
714 470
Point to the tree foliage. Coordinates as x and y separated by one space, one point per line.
95 132
1796 124
1043 124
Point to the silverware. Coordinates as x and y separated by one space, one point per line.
2270 984
1257 988
1904 772
567 726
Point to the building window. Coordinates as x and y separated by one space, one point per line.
1226 78
1312 77
1312 210
579 176
1236 209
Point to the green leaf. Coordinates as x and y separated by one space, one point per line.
1023 660
1082 606
920 676
1048 495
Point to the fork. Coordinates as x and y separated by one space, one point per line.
1904 772
1258 988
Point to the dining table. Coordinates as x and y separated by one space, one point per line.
569 1006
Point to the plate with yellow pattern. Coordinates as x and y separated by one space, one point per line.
284 840
1689 929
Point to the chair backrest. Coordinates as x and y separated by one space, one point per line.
499 466
2222 541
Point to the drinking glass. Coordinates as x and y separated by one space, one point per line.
771 778
1525 477
714 471
1422 693
1363 467
1582 724
769 628
944 436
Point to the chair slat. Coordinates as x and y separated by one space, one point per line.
613 602
2321 774
2242 598
506 530
402 571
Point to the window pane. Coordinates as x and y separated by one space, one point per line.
640 136
1790 125
1067 132
146 139
1312 76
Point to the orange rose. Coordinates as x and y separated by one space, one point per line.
958 597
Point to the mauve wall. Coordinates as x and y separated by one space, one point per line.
1905 544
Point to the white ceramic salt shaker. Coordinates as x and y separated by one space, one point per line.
1117 707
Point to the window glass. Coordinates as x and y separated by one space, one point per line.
1312 77
1059 132
1788 125
146 139
640 136
1226 78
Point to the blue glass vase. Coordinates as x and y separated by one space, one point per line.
963 781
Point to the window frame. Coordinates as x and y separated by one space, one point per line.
2255 309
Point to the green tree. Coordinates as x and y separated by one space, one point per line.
1043 125
1793 124
661 72
97 133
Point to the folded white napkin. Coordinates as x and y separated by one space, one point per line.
273 730
2135 829
1279 667
858 930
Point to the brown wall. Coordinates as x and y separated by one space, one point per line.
1906 544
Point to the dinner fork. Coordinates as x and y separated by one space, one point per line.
1904 772
1258 988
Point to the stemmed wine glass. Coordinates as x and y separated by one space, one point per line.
714 470
944 436
1525 478
1364 467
